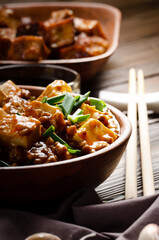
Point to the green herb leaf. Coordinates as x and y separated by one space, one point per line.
56 99
78 118
67 104
44 100
77 97
50 133
60 107
99 104
78 112
81 100
74 151
56 138
53 100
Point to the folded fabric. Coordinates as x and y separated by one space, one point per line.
83 216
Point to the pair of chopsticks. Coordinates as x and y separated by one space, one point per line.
131 151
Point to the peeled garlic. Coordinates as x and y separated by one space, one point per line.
149 232
43 236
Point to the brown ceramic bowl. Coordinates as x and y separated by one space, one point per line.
48 182
109 16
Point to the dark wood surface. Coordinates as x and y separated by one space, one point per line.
138 48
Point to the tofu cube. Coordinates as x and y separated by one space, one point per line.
93 131
55 88
94 113
44 107
29 48
61 14
61 33
90 27
84 46
8 18
18 130
7 35
7 90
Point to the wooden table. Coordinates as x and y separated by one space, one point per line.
138 48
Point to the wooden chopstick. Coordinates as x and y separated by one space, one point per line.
146 162
131 150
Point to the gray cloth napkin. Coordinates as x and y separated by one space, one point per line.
82 214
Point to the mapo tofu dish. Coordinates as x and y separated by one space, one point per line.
61 36
57 125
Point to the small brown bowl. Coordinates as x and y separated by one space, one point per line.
48 182
109 17
40 75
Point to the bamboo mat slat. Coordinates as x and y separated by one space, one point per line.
113 189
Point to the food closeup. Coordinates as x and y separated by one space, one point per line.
62 35
57 125
33 33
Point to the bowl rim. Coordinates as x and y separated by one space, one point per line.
114 10
127 129
24 65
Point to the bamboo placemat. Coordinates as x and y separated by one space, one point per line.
113 189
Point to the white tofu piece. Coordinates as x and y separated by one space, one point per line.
18 130
90 27
112 123
57 118
94 113
55 88
44 107
7 90
93 131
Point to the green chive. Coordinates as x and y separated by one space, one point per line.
99 104
68 103
50 133
78 112
44 100
77 97
81 100
56 138
56 99
60 107
78 118
53 100
74 151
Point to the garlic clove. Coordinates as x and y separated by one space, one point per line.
43 236
149 232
